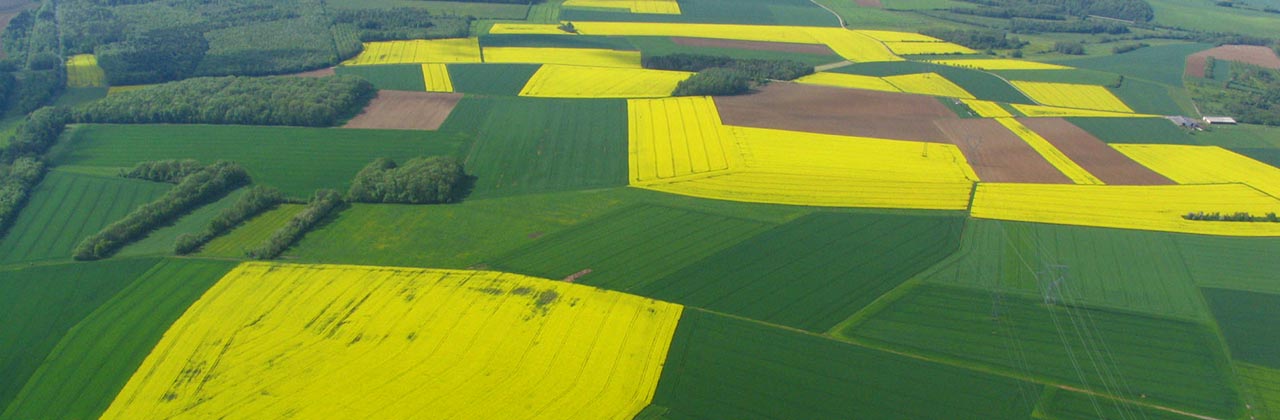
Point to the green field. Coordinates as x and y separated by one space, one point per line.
1160 63
659 45
1026 258
1248 322
813 272
1077 76
251 233
491 79
728 368
981 84
1135 130
295 160
1232 263
92 362
631 247
1206 16
1150 98
389 76
38 305
477 9
1172 363
753 12
160 241
1269 156
526 145
76 96
1262 390
557 41
856 16
1060 404
66 208
1243 135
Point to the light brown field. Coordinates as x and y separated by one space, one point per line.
1109 165
325 72
754 45
1251 54
839 111
998 155
406 110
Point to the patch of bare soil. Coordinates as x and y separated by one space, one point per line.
839 111
326 72
1251 54
998 155
1195 65
869 3
754 45
1109 165
406 110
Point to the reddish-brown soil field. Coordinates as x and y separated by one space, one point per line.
406 110
1252 54
326 72
754 45
869 3
1093 155
998 155
1195 65
832 110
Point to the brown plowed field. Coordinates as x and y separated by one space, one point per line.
1093 155
998 155
754 45
326 72
1252 54
869 3
832 110
406 110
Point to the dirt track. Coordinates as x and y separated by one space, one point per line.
1093 155
1251 54
998 155
754 45
406 110
831 110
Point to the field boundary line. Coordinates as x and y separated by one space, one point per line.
838 17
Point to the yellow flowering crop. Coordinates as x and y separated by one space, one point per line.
559 81
570 56
1072 95
436 77
928 84
1204 165
454 50
1157 208
661 7
83 71
331 341
1041 111
679 146
987 109
895 36
999 64
907 48
853 81
1059 160
853 46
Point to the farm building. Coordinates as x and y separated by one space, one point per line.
1219 120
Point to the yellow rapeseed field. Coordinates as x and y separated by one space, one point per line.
853 81
928 84
1059 160
558 81
454 50
851 45
436 76
1041 111
1157 208
679 146
999 64
594 57
331 341
1204 165
1072 95
908 48
660 7
895 36
987 109
83 71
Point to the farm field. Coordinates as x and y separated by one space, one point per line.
389 76
1231 263
1067 405
398 110
567 56
1205 165
756 12
1175 364
93 360
575 337
560 81
1246 321
160 242
980 84
66 208
1160 63
827 110
1263 388
1135 130
660 7
295 160
490 79
997 154
998 64
1049 152
1072 96
83 71
252 232
1092 155
463 50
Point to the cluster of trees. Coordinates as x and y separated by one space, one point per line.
714 81
403 23
1130 10
296 101
1068 47
1121 49
721 75
1231 217
195 190
170 171
36 133
429 180
978 39
33 72
16 181
1079 26
154 56
257 200
324 203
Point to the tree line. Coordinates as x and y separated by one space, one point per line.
321 205
170 171
430 180
36 133
722 75
207 185
279 100
259 199
403 23
978 39
16 182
